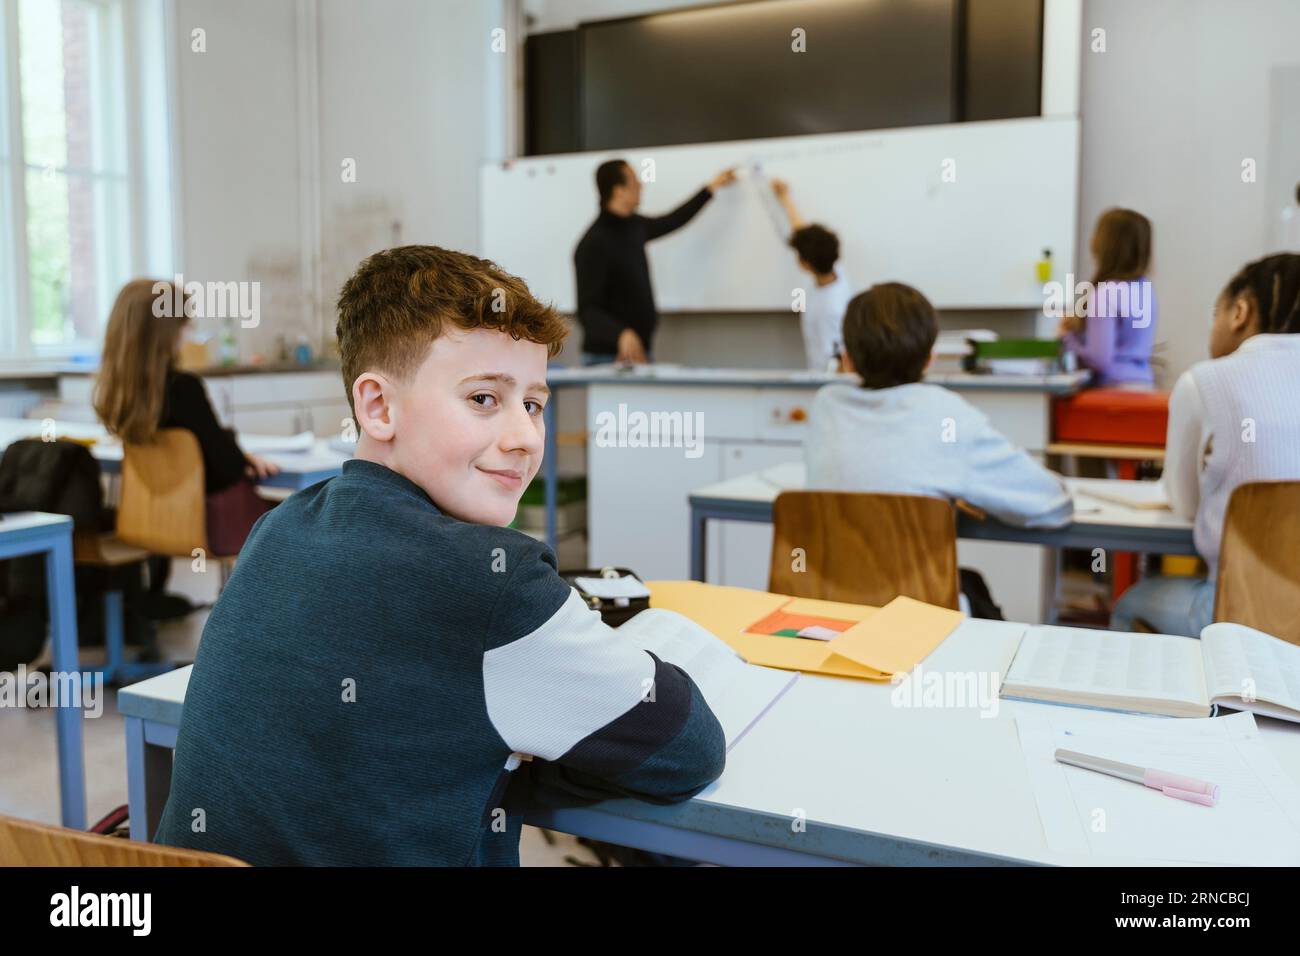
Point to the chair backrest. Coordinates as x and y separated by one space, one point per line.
162 504
864 548
1259 563
24 843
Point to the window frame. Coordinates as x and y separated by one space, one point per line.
16 319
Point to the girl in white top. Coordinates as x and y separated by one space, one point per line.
1233 419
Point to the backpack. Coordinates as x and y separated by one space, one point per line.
58 477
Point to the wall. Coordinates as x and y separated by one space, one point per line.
1185 90
238 152
409 89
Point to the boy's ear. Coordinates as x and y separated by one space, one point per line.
371 394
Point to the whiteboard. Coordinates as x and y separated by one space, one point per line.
960 211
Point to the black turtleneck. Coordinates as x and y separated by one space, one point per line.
614 291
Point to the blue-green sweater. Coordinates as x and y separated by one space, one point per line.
370 669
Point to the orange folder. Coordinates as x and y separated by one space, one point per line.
880 642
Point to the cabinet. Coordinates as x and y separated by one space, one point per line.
263 403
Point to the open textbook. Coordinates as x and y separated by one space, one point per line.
738 693
1231 666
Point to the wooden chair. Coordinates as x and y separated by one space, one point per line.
24 843
162 505
1259 563
161 510
865 548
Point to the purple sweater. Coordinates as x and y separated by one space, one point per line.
1119 332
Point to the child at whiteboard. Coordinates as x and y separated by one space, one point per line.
1114 335
818 249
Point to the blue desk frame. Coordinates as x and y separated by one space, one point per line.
55 542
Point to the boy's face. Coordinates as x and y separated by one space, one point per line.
467 425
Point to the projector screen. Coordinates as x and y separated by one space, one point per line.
736 72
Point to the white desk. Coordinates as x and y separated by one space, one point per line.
1097 523
876 783
298 469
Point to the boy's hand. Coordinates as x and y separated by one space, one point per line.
259 467
630 347
1069 323
781 188
724 178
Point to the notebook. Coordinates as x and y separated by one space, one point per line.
270 444
1231 666
739 694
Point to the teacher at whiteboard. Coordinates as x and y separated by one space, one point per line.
616 304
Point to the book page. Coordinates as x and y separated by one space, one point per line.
1240 660
738 693
1111 664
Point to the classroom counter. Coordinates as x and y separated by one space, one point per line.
1065 383
738 421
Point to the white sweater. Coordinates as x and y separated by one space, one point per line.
922 439
822 322
1232 420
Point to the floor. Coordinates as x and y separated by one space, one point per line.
29 769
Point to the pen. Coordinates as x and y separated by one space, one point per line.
1170 784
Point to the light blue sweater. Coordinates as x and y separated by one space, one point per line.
921 439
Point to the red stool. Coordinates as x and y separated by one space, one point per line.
1122 426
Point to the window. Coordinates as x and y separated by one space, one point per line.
69 222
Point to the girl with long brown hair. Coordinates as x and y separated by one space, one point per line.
140 390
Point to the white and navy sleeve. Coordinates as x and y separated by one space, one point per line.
563 686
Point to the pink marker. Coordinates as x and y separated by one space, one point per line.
1170 784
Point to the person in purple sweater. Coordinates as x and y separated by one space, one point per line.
1114 335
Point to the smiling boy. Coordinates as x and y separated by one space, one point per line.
386 649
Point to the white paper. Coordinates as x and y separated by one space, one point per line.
625 586
738 693
263 444
1256 821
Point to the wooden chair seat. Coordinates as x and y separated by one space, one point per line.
105 550
25 843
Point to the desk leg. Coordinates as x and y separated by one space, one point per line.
148 781
550 468
1124 564
61 594
699 544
